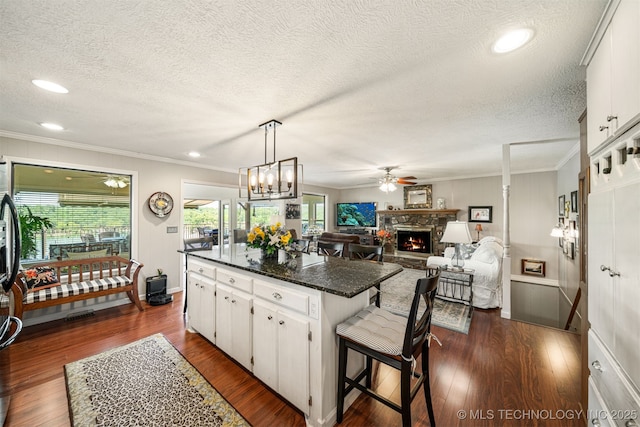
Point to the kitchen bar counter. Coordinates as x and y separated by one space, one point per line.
338 276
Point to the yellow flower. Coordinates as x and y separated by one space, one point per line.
285 238
251 237
273 229
259 232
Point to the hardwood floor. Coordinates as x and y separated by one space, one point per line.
503 373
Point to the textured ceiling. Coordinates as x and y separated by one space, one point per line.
358 84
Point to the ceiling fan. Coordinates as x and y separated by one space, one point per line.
388 182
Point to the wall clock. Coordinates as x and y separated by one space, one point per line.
160 203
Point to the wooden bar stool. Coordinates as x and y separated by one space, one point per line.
393 340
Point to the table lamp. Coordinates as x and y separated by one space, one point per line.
456 232
478 230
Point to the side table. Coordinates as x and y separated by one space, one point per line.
453 285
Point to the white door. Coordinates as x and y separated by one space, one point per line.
208 309
293 360
223 319
265 344
601 256
242 326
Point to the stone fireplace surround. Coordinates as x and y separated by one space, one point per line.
436 219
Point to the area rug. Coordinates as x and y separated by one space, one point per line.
397 295
145 383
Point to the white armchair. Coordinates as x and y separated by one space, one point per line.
485 258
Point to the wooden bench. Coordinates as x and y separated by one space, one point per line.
78 279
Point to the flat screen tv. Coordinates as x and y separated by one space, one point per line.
356 214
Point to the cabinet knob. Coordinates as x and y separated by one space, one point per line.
604 268
200 270
281 322
630 423
233 301
269 317
613 273
609 118
602 128
277 296
232 280
596 365
227 298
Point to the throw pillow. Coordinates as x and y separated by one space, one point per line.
39 277
467 250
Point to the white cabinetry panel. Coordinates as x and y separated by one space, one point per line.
201 305
233 323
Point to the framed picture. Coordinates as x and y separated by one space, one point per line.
561 206
480 213
292 211
572 250
417 197
574 201
533 267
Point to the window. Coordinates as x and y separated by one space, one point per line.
261 213
73 210
313 214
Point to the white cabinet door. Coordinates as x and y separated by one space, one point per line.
202 305
293 360
625 62
265 344
242 326
626 286
224 326
233 321
601 254
599 94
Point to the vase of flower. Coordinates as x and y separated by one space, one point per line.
270 239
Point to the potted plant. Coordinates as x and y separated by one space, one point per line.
30 226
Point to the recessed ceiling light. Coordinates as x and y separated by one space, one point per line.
194 154
513 40
50 86
51 126
48 171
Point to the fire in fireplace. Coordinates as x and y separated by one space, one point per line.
413 240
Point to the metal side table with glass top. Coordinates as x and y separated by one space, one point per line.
456 285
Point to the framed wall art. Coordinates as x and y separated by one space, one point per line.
574 201
292 211
533 267
417 197
561 206
480 213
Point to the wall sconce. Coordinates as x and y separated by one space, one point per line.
273 179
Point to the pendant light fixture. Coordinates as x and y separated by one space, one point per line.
272 180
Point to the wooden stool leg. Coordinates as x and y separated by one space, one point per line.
342 373
426 385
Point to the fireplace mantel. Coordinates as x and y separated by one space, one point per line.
418 211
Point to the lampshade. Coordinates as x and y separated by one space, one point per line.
557 231
456 232
478 227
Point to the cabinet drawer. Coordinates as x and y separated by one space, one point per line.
201 267
282 296
235 280
617 393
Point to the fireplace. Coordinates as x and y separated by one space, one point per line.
414 240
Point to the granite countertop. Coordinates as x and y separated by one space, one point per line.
339 276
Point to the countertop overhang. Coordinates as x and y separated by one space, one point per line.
338 276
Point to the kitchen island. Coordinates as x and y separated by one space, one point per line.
277 318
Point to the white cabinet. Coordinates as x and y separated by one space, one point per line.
233 323
613 86
281 352
201 294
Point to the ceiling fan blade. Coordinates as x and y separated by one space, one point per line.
408 177
405 182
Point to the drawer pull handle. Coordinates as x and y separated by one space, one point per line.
277 296
233 301
227 298
269 317
596 365
613 273
595 422
630 423
232 280
603 128
609 118
604 268
200 269
281 322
